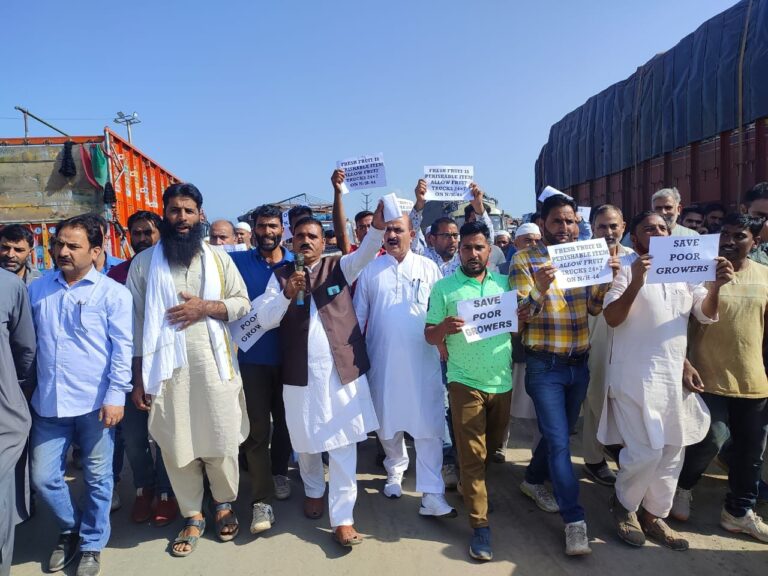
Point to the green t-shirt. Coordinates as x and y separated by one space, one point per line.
486 364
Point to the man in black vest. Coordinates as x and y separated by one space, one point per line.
328 406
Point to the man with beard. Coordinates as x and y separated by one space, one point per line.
556 341
17 381
646 409
262 381
714 212
729 358
184 369
756 205
16 245
607 223
328 405
391 305
479 375
149 476
83 324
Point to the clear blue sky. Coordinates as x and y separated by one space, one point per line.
256 101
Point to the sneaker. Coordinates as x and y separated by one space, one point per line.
282 487
541 495
436 505
600 473
393 486
142 506
750 524
263 517
450 477
500 456
681 505
660 532
116 503
480 545
627 525
64 552
90 564
576 541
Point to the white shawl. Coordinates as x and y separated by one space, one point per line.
165 347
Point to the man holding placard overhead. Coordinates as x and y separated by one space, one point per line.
479 371
646 408
328 405
556 341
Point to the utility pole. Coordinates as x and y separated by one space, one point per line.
128 121
367 200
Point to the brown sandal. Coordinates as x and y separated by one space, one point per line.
347 536
313 507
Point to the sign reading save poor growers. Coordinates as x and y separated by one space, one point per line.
488 316
683 258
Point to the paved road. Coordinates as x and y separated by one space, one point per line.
399 542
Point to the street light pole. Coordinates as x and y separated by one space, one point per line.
128 121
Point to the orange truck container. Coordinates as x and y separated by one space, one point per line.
33 192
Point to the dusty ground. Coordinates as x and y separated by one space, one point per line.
399 542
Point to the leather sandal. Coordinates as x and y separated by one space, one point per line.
347 536
227 520
191 540
313 507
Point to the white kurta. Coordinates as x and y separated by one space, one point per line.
406 384
325 414
645 365
196 414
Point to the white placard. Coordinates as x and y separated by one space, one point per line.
287 234
234 247
488 316
549 191
247 331
363 172
448 183
581 263
683 258
395 207
584 212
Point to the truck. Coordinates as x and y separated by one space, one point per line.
694 117
104 174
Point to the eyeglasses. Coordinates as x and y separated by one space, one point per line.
451 235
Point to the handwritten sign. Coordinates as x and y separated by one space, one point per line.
581 263
584 212
363 172
448 183
549 191
488 316
247 331
683 258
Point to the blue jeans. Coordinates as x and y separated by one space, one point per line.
557 390
147 472
49 441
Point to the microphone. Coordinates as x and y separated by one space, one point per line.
299 263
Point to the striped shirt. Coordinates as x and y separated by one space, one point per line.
558 318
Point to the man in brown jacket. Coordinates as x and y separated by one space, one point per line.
328 406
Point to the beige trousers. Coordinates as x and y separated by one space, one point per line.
187 482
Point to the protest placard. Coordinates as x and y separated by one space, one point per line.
581 263
683 258
287 235
405 205
363 172
488 316
549 191
584 212
247 331
448 183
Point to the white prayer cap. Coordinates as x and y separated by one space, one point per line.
527 228
243 226
503 233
